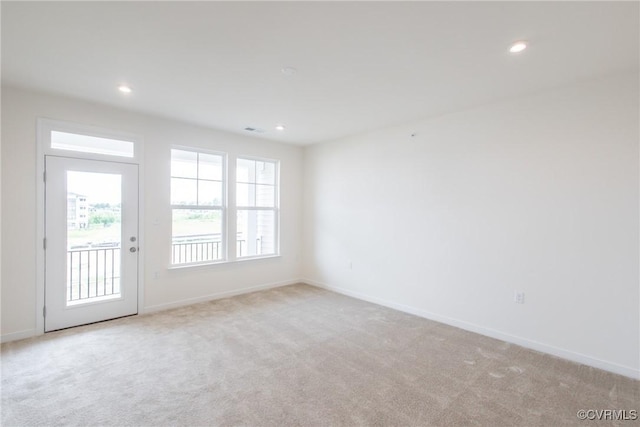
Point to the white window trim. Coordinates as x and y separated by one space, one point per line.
44 127
230 212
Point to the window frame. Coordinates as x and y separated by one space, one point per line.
275 208
47 126
223 208
229 209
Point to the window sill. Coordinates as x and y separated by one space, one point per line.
212 264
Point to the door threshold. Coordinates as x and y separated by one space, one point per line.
92 323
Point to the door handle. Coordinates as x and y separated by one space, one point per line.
133 249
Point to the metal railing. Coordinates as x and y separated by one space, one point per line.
93 273
196 249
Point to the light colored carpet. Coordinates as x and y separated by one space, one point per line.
291 356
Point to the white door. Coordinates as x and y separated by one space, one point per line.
91 246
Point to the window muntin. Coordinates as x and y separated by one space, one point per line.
198 207
256 207
196 178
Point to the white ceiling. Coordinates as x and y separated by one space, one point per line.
360 65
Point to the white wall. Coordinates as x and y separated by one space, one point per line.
538 194
20 109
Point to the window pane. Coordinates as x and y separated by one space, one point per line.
184 191
184 164
256 233
94 216
91 144
265 195
266 173
245 194
245 170
209 193
210 167
197 236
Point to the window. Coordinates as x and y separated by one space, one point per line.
256 207
198 207
91 144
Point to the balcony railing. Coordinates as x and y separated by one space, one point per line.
93 273
189 249
195 251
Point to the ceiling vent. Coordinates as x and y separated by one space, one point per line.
256 130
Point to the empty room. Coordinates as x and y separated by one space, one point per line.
320 213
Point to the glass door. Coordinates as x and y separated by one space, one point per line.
91 256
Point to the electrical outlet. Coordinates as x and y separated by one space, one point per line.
518 297
156 274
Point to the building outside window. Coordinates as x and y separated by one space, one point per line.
256 207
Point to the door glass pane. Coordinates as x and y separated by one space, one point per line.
94 202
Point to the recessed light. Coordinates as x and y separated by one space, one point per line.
279 127
518 47
124 89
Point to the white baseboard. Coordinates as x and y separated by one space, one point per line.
20 335
534 345
217 295
14 336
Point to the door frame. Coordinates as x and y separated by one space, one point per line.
44 127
